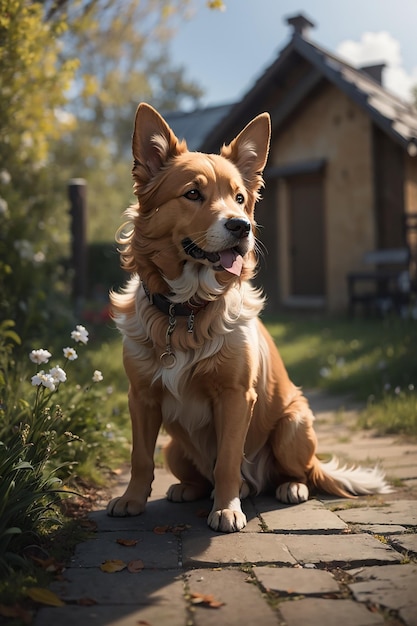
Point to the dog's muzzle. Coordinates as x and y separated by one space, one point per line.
229 259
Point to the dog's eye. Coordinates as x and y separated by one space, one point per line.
193 195
240 198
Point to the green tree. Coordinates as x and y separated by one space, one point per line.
33 80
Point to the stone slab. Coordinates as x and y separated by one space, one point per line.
243 601
340 550
310 516
391 586
316 612
173 614
141 588
156 551
234 549
382 529
403 513
296 580
406 542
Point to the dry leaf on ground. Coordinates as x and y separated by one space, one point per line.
206 600
135 566
44 596
113 565
128 543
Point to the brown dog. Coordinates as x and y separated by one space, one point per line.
198 359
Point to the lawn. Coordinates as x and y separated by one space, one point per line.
373 360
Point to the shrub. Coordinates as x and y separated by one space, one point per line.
41 442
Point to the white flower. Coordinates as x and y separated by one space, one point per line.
43 379
80 334
5 177
58 374
97 376
70 354
40 356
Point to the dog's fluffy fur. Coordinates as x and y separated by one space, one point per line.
237 423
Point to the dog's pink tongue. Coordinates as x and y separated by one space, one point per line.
231 261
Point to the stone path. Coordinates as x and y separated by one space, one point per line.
327 561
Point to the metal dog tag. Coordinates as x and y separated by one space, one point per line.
168 359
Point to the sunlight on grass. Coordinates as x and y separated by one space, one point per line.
372 360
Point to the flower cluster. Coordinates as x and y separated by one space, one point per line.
56 375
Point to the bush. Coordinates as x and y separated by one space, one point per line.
42 444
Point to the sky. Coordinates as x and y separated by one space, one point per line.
225 52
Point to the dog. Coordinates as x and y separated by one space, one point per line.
198 359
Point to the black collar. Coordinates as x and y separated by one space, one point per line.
164 304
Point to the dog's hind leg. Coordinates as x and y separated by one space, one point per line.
193 484
294 445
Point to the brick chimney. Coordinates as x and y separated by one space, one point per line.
300 24
374 71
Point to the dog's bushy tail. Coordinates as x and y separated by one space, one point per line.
344 481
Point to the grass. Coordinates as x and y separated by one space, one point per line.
372 360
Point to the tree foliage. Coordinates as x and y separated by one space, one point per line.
71 75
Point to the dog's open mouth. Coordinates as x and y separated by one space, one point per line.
230 259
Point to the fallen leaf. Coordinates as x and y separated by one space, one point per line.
161 530
206 600
179 528
203 513
113 565
44 596
135 566
128 543
143 622
86 601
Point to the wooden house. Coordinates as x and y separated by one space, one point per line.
342 172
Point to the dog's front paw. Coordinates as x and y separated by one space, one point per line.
226 520
124 507
292 493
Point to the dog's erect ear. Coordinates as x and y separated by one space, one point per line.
249 150
153 143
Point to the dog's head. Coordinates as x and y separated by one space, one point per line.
193 208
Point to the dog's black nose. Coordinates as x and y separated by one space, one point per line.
238 226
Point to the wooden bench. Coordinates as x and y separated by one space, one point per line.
386 286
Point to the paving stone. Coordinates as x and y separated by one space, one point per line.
142 588
402 512
308 516
173 614
296 580
243 601
160 551
382 529
340 549
235 548
157 513
407 542
390 586
315 611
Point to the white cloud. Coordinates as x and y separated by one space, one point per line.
381 47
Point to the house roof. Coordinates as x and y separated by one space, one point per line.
196 125
207 129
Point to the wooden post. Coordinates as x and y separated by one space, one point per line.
77 191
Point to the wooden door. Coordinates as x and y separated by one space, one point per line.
307 239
